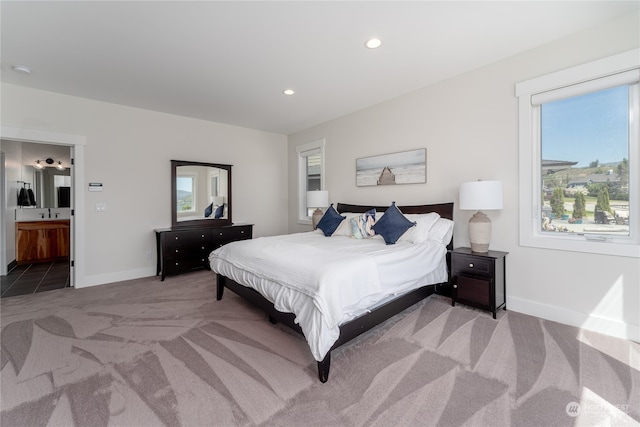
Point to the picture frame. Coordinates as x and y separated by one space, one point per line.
406 167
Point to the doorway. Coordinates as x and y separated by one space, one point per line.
74 145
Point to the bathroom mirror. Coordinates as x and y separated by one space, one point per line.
200 194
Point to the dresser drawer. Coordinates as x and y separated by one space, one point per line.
188 250
462 264
185 237
181 265
225 235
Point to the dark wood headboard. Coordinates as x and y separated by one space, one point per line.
445 210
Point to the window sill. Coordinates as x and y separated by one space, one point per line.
582 244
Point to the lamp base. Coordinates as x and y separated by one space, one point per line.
479 232
316 217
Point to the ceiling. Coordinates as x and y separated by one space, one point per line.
229 62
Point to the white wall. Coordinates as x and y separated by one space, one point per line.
129 151
469 126
12 174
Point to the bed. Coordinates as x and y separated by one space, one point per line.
360 282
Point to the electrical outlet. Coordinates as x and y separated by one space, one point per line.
101 207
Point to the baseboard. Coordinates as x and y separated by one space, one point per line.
612 327
101 279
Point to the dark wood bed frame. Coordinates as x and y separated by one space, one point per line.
363 323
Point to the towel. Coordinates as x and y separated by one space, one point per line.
31 197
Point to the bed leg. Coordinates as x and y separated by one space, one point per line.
323 368
220 287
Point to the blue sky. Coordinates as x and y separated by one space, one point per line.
586 128
183 184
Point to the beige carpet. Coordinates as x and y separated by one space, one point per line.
151 353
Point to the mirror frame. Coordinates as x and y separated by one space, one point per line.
174 198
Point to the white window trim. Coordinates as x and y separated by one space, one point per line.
302 151
529 161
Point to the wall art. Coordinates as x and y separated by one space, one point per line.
407 167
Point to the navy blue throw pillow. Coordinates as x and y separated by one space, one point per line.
392 224
330 221
208 211
219 211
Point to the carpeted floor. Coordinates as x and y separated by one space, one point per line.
151 353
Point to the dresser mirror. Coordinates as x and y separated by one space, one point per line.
200 194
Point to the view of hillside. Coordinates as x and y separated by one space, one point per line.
567 175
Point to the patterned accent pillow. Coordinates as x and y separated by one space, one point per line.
330 221
392 224
361 226
344 229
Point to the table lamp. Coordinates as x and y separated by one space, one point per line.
480 195
317 199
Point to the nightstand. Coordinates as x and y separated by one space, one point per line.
479 279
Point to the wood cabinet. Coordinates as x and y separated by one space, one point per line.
186 249
479 279
42 241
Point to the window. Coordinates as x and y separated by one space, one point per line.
185 185
310 175
579 155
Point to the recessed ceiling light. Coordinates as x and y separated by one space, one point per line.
23 69
373 43
289 92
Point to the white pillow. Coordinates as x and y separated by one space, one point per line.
442 231
420 232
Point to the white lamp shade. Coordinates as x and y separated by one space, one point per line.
317 199
481 195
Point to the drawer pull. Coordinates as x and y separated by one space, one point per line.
202 236
177 237
177 263
470 265
241 231
455 286
177 250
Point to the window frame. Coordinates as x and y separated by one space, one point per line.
302 152
530 160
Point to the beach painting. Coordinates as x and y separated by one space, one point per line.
407 167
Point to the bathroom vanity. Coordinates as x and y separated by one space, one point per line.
42 241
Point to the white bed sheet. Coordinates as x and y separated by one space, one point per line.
328 281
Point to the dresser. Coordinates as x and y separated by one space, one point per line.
186 249
479 279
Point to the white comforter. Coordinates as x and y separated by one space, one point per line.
327 281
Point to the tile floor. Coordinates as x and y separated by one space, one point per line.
32 278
